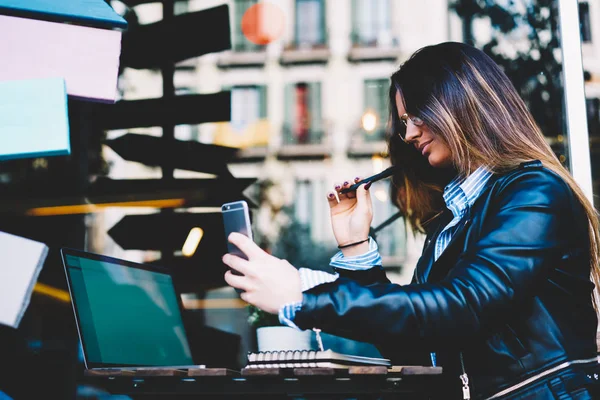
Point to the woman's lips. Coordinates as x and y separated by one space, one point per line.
425 147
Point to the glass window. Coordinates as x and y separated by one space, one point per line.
248 126
240 42
584 22
181 7
593 117
246 105
392 238
375 110
186 132
303 114
310 23
593 114
371 23
312 211
304 202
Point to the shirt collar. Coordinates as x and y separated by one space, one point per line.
462 191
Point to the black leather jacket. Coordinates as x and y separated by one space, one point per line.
511 292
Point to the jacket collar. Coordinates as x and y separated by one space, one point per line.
461 192
427 260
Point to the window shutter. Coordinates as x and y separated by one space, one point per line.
262 93
288 124
316 120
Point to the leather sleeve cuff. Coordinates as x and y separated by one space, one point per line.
367 276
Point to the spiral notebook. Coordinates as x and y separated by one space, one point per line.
310 359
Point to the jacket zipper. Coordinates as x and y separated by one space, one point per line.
464 378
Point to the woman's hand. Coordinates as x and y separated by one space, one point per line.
267 282
351 217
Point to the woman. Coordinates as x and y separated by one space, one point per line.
501 297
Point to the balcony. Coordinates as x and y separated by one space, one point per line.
296 54
366 144
253 140
314 145
243 54
373 47
238 59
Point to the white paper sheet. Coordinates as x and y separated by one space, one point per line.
21 261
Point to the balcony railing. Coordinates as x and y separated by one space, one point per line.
373 47
310 42
243 52
379 36
243 45
310 137
314 144
366 144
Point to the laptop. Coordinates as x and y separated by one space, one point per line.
128 315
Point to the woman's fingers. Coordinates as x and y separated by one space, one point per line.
236 281
236 263
332 199
246 245
335 197
352 194
343 196
337 187
362 196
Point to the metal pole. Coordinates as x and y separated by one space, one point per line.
576 117
168 72
168 128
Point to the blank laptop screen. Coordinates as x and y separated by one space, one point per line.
126 315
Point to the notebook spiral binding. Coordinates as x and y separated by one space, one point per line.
309 359
283 359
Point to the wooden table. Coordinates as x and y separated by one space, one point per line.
410 382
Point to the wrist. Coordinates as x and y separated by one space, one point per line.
359 249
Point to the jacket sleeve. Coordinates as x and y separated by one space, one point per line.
522 234
367 277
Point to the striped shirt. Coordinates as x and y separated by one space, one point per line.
310 278
459 195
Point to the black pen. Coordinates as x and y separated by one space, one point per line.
377 177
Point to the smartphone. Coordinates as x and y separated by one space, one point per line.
236 218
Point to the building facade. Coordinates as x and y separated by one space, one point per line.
308 110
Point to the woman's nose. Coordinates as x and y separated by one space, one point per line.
412 132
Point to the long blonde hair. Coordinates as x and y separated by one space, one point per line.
467 101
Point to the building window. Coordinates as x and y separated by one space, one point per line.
375 111
248 126
186 132
303 206
240 42
248 105
310 23
593 116
391 239
311 211
584 22
303 124
371 23
181 7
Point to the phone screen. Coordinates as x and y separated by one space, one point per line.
236 218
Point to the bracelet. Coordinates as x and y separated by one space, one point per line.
352 244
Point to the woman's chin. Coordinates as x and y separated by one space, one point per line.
438 162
